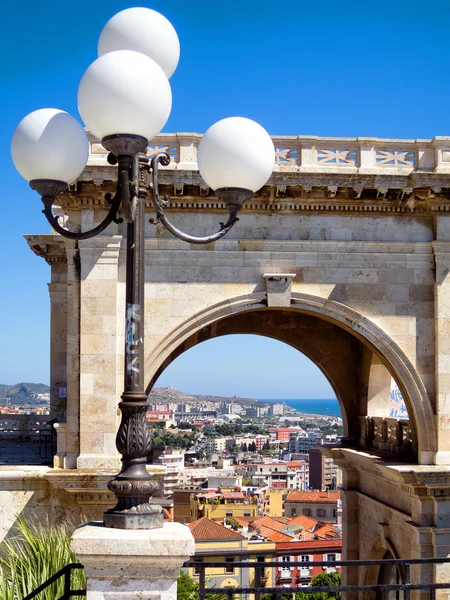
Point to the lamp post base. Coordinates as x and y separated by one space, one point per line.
147 517
133 509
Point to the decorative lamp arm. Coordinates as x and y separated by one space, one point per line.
49 190
233 197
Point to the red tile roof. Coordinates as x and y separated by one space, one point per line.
327 531
205 529
304 521
310 545
281 519
322 497
209 495
233 495
274 536
269 522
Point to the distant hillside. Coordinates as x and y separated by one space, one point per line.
168 394
27 393
23 393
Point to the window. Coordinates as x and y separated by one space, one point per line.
321 512
307 512
229 567
228 513
334 513
261 559
304 557
331 557
294 512
197 567
246 513
285 564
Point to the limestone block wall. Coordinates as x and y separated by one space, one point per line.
381 266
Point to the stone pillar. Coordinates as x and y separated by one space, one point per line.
99 393
140 564
58 341
442 338
73 357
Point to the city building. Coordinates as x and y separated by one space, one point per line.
214 542
291 475
173 460
282 434
217 444
215 504
156 417
276 409
302 443
324 474
319 505
305 552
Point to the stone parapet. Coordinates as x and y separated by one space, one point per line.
132 564
56 496
311 154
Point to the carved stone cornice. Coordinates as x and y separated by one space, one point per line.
286 192
50 247
431 481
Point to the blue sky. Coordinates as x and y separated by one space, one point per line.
355 68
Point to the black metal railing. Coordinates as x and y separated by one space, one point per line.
47 442
383 591
66 574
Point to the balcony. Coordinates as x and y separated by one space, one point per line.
284 574
387 435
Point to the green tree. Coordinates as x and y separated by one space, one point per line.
186 588
185 425
232 523
326 580
321 580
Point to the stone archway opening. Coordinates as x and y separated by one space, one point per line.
253 367
341 342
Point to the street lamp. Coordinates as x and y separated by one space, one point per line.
125 99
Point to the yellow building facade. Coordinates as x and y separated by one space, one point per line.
216 543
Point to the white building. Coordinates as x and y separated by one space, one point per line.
280 475
301 444
173 460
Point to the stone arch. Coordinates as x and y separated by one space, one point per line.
381 547
207 324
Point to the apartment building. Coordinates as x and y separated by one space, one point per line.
319 505
291 475
324 474
173 460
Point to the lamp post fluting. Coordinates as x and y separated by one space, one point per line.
125 99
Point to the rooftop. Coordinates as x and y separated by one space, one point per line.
322 497
204 529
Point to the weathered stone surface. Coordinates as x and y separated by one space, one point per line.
132 564
364 226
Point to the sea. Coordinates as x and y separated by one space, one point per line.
329 406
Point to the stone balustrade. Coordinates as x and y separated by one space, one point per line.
386 434
310 154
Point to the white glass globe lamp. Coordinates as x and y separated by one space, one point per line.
49 144
143 30
236 153
124 93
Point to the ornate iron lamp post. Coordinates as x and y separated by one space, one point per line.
124 99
